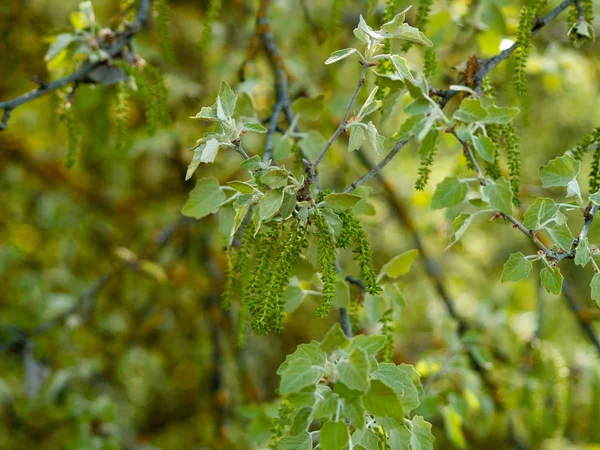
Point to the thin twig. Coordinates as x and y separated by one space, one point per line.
81 75
342 127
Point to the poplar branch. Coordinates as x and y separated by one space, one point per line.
122 41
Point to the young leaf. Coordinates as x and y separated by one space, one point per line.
470 110
499 195
204 199
552 280
449 193
485 147
334 339
275 178
595 287
420 434
334 436
559 171
299 374
561 235
300 441
370 105
370 344
516 268
340 54
459 226
341 202
399 380
382 400
582 256
270 204
357 137
399 265
354 371
227 99
252 163
542 210
366 439
354 410
254 127
374 139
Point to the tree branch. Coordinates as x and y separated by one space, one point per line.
81 75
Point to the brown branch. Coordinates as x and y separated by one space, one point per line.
122 41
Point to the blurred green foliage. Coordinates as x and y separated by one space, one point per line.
129 348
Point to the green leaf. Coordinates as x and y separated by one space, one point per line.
252 163
228 99
453 426
374 140
334 339
500 115
366 439
275 178
399 438
240 186
301 441
552 280
485 147
542 210
516 268
498 194
287 206
399 265
283 147
371 105
334 436
298 374
382 400
341 202
470 110
340 54
254 127
342 295
582 256
312 352
459 226
354 371
428 144
595 287
293 297
559 171
595 197
399 380
354 410
561 235
418 107
420 434
270 204
204 199
449 193
302 420
405 32
370 344
205 153
357 137
61 42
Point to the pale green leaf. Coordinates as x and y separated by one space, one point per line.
559 171
428 144
312 144
340 54
400 381
275 178
354 371
399 438
370 344
341 202
470 110
366 439
516 268
204 199
61 42
334 436
399 265
459 226
240 186
357 137
582 256
354 410
595 288
498 194
270 203
227 99
420 434
542 210
374 140
485 147
382 400
252 163
301 441
334 339
449 193
254 127
552 280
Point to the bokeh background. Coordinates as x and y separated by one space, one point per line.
148 360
